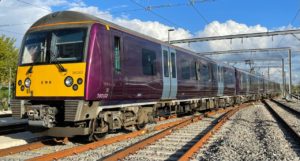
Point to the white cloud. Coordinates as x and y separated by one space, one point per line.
14 12
151 28
231 27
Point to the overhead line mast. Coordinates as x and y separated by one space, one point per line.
240 36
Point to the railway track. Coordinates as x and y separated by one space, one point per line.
288 120
109 142
295 96
31 146
177 142
288 108
35 146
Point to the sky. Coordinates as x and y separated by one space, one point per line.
189 18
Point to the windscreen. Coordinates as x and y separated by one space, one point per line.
65 45
34 48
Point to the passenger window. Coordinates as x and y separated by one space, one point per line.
185 70
204 72
193 71
242 81
197 66
173 60
117 49
228 77
166 63
148 61
214 71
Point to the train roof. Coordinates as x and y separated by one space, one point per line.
62 17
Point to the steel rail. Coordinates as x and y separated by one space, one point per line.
282 122
295 96
26 147
165 118
40 144
287 108
137 146
189 154
90 146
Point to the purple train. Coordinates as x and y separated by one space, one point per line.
81 75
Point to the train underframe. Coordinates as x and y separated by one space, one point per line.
72 117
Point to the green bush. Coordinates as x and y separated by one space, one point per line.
3 98
3 92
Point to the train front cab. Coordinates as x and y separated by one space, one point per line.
51 75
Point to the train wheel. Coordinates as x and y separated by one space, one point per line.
99 129
140 126
97 137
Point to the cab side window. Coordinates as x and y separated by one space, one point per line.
185 70
197 70
204 73
117 49
148 62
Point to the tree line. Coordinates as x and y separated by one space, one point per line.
8 59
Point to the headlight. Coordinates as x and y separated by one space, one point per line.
68 81
19 82
27 82
22 88
75 87
79 80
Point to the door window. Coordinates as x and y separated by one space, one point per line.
173 60
148 61
166 63
117 49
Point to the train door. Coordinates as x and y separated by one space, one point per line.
220 81
117 54
247 82
169 73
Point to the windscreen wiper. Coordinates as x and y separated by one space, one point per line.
29 71
59 66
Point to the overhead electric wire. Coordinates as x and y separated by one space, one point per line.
146 8
198 12
154 13
26 23
37 6
152 7
11 32
293 20
192 4
295 17
8 25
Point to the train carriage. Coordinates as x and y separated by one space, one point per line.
80 75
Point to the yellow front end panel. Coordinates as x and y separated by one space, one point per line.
48 81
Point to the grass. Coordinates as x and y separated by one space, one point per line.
4 98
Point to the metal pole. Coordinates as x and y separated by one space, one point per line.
9 87
284 74
297 95
169 34
290 72
283 88
268 76
269 72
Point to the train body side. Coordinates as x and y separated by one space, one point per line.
127 79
